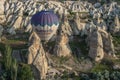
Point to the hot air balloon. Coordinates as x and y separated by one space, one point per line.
45 24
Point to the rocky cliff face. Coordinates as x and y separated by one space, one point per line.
116 25
2 6
65 26
17 14
101 43
62 47
37 55
107 41
95 40
97 23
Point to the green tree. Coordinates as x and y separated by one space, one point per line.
7 58
10 65
11 71
14 67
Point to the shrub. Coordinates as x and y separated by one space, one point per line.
100 68
116 40
25 72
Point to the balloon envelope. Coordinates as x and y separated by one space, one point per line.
45 23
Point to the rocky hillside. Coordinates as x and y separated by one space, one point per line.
88 33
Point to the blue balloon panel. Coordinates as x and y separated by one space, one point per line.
44 18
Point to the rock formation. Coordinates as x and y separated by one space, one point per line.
37 55
2 17
96 46
107 43
100 43
65 26
116 24
15 15
78 20
62 47
2 6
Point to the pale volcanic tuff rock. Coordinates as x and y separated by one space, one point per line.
37 55
17 14
2 17
116 25
11 31
2 6
107 43
75 24
62 47
17 22
100 42
96 47
65 27
14 10
78 26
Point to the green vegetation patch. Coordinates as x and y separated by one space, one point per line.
52 43
69 76
25 72
59 60
116 40
14 41
100 67
2 47
116 61
12 70
15 44
79 45
63 59
71 14
83 12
